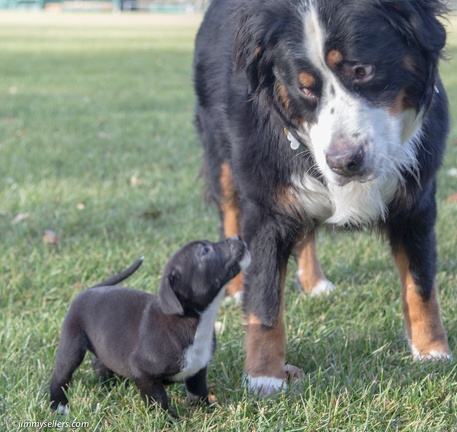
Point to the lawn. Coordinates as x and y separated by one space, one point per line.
99 164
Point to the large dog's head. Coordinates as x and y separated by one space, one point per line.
196 274
350 79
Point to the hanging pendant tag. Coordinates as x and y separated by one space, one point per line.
294 144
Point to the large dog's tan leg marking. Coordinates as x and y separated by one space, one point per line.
424 327
310 275
266 352
230 218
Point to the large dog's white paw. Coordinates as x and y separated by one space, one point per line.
431 355
265 386
323 288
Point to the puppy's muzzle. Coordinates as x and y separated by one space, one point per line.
239 249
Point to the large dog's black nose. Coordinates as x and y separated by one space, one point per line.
346 160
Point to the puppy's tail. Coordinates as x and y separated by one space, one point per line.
114 280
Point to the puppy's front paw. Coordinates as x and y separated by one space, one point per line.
63 410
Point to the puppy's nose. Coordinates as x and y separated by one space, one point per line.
345 159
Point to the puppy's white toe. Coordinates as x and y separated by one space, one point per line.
192 398
63 410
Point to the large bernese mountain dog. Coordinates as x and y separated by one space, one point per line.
323 112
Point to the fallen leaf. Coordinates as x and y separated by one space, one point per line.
135 181
50 237
80 206
20 217
452 199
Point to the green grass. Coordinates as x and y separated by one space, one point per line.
86 108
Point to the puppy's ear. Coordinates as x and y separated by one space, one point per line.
167 297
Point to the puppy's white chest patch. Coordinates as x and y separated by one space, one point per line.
198 355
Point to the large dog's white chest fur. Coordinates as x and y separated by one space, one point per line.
355 203
198 355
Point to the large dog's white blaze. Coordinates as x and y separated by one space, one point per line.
389 142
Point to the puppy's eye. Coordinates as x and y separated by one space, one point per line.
362 73
308 94
204 250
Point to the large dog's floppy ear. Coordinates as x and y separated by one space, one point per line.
418 22
253 50
247 49
167 297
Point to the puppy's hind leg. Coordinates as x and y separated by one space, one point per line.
102 371
197 389
70 355
152 391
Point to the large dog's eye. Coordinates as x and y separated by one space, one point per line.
362 73
308 94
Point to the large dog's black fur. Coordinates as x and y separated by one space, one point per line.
245 49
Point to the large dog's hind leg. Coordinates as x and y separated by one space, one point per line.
421 311
310 277
230 218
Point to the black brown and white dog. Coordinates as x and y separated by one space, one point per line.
317 112
152 340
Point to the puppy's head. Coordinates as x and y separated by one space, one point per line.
196 273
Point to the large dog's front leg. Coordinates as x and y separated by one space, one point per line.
263 306
414 248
